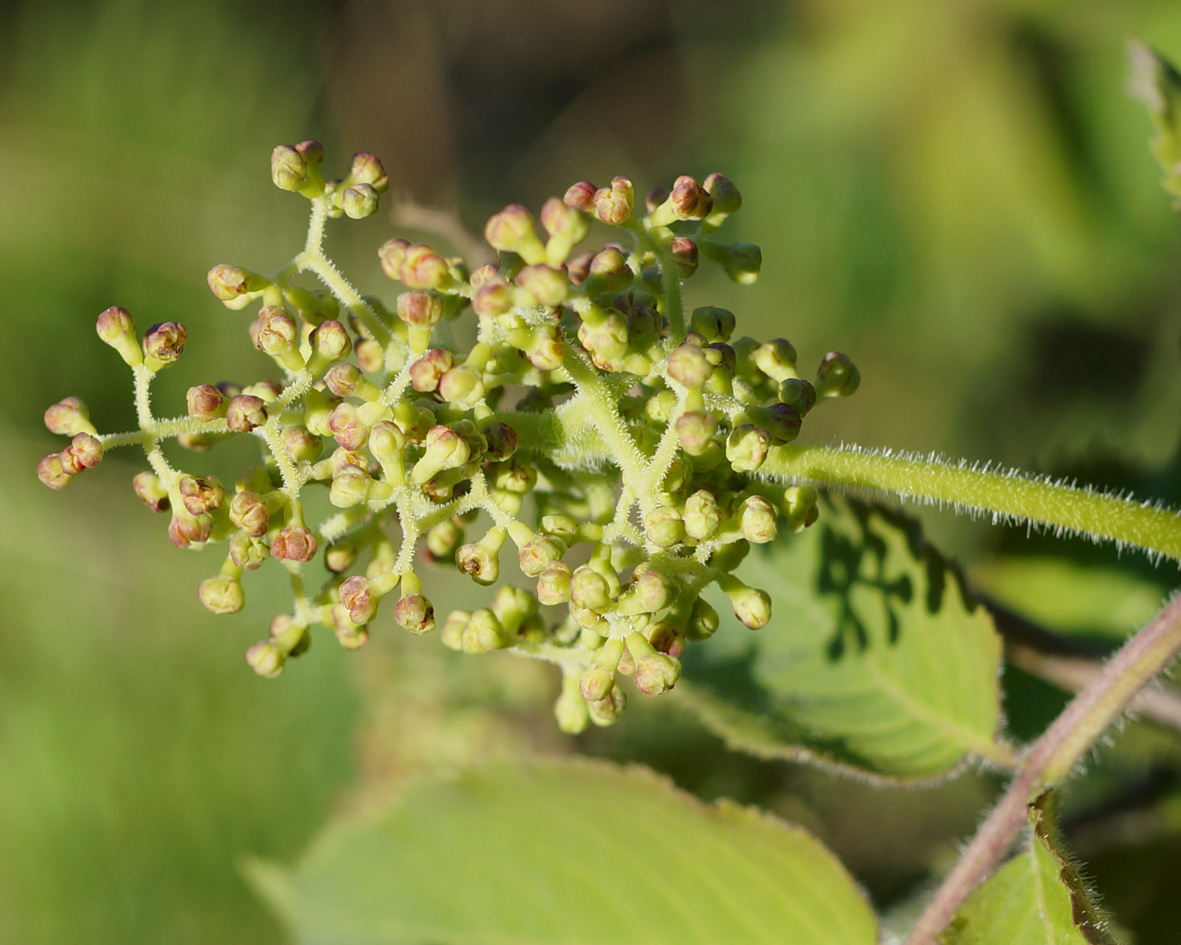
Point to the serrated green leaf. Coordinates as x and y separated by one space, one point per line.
873 659
566 852
1036 898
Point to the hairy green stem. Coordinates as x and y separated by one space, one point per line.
1007 495
1051 758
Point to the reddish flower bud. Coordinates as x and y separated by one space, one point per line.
689 200
245 413
84 452
614 204
151 491
165 342
205 402
581 196
200 494
68 417
294 543
51 472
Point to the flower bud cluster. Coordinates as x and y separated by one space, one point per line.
595 438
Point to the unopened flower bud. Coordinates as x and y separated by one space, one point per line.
200 494
614 204
245 413
653 591
443 540
234 285
567 227
702 515
799 505
777 359
798 394
330 342
741 261
537 555
426 372
151 491
553 584
502 441
609 710
746 447
696 430
836 376
598 679
581 196
221 595
205 402
664 527
164 343
68 417
570 710
351 486
685 255
726 198
247 553
367 169
358 201
185 530
294 543
423 268
275 333
479 559
116 327
356 594
687 365
414 612
248 511
52 473
757 520
589 589
266 658
84 452
339 557
689 200
301 445
512 231
751 606
462 386
545 285
713 323
655 673
484 633
391 254
781 422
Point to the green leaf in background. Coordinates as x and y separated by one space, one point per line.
564 852
873 659
1036 898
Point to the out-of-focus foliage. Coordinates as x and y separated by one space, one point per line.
960 195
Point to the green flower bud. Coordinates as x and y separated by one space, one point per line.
781 422
151 491
553 584
614 204
391 254
421 311
663 527
742 261
598 679
726 199
502 441
746 447
116 327
205 402
484 633
799 505
414 612
713 323
545 285
294 543
590 589
653 591
245 413
609 271
234 286
702 516
300 445
609 710
512 231
665 639
249 512
703 621
330 342
339 557
423 268
347 426
247 553
581 196
696 430
687 365
163 344
537 555
751 606
443 540
358 201
566 225
351 486
445 449
289 170
368 169
275 333
68 417
655 673
836 376
513 606
570 709
798 394
462 386
757 520
387 443
221 595
266 658
185 530
200 494
346 380
479 559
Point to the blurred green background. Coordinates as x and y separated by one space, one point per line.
958 195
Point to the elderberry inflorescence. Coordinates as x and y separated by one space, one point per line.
608 438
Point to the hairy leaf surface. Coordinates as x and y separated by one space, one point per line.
551 852
873 660
1036 898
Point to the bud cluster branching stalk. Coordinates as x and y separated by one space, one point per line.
625 451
